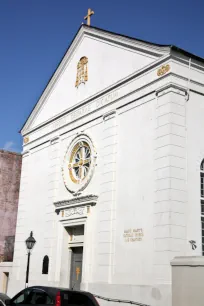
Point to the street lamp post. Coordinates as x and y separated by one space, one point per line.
30 241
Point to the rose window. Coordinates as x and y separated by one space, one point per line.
80 162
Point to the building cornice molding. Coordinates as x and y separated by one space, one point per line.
54 140
185 60
178 79
118 86
154 50
77 201
26 153
171 87
25 131
65 60
128 43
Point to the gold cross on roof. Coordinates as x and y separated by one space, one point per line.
88 16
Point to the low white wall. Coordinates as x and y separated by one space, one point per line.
188 281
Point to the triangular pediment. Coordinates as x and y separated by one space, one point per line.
111 58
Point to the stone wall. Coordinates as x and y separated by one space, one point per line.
10 172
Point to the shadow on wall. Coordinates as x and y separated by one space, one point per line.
8 251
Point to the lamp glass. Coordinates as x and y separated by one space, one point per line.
30 241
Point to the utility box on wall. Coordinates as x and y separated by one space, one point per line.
188 281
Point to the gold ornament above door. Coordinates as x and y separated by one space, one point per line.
82 71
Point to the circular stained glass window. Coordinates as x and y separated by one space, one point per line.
79 163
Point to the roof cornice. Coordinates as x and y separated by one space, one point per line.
125 41
61 66
154 50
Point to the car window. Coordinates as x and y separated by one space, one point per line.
38 297
21 297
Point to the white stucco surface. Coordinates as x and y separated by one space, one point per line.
146 130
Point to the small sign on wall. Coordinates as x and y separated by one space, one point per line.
133 234
75 212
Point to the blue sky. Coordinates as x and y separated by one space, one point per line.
34 35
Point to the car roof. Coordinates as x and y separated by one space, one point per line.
55 289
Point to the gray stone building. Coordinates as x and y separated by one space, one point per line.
10 171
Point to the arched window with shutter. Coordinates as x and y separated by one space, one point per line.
202 201
45 266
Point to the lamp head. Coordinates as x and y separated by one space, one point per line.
30 242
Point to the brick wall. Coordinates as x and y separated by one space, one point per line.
10 172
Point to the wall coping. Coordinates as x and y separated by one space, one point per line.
6 264
192 261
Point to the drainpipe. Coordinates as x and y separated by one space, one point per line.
189 79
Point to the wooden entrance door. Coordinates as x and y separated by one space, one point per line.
76 268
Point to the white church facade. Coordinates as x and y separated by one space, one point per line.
112 169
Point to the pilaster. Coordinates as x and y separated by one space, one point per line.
171 180
52 241
107 201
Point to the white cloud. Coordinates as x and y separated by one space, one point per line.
9 145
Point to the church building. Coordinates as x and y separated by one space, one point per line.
112 181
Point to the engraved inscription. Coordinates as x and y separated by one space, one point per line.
75 211
81 112
109 98
60 123
84 110
132 235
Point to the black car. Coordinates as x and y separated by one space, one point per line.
3 297
40 295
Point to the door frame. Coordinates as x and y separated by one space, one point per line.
70 223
